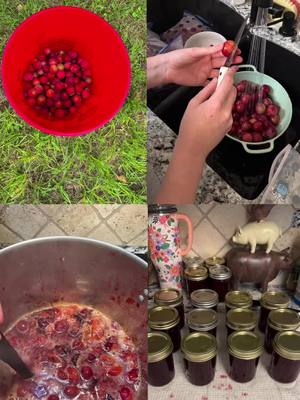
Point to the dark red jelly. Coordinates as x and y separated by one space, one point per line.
200 373
285 362
196 278
242 370
263 319
174 334
244 349
269 337
199 351
180 310
160 359
220 280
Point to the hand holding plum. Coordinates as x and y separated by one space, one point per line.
187 67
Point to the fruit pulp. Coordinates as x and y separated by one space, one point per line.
75 352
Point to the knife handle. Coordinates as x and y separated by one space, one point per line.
9 355
222 73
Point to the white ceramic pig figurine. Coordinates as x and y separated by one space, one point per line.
263 232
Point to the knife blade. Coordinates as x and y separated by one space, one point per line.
229 59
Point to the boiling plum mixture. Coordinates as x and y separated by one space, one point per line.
255 116
75 353
57 82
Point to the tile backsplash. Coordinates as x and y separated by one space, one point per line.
116 224
214 225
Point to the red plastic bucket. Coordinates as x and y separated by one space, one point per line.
95 40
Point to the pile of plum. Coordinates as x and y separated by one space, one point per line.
57 82
255 116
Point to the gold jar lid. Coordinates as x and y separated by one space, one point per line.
199 347
211 261
287 345
204 298
283 319
168 297
198 273
241 319
202 319
163 318
193 262
160 346
220 272
238 299
245 345
272 300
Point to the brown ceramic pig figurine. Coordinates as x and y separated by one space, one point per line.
259 268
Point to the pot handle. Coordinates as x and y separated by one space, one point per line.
267 149
188 247
247 66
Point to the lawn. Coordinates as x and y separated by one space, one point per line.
106 166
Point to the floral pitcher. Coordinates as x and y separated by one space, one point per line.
164 243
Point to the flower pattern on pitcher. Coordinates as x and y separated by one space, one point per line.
164 248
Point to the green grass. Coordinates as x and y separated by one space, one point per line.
106 166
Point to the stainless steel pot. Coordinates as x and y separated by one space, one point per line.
39 272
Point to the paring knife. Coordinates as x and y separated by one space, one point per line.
9 355
230 59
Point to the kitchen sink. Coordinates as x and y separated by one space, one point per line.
246 173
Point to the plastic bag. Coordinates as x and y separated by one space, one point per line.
284 179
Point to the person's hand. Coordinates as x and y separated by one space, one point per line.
208 116
187 67
194 66
205 122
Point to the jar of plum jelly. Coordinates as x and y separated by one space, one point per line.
213 261
238 299
271 301
220 280
241 319
244 348
280 320
196 278
172 298
203 320
163 318
205 298
199 351
285 362
160 359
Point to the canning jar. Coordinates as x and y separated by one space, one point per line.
238 299
163 318
203 320
199 350
160 359
205 298
196 278
241 319
220 280
213 261
280 320
173 298
244 348
271 301
285 362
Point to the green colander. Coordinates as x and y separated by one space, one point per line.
280 97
